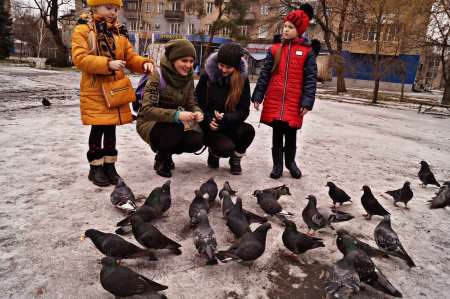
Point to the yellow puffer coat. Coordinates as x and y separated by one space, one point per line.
92 103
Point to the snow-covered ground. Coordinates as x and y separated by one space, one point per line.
48 201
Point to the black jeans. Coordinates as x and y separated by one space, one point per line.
108 134
170 138
224 143
281 129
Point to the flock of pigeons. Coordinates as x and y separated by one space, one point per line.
356 266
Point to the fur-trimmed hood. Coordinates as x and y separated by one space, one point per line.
213 72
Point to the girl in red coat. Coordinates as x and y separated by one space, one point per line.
287 85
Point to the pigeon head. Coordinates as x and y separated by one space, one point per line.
109 261
424 164
224 193
289 224
285 190
239 203
198 194
407 184
312 200
211 180
257 192
120 182
227 187
261 231
166 186
366 189
331 185
387 219
92 233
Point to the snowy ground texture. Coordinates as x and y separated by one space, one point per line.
48 201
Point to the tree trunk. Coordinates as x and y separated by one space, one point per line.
402 92
376 88
446 97
340 87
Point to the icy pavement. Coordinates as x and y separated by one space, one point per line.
48 202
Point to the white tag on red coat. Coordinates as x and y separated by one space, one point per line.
299 53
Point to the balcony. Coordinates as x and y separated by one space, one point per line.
174 15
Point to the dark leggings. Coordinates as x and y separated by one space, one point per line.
280 129
96 151
170 138
224 143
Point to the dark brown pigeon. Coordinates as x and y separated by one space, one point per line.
403 194
298 242
426 176
371 251
371 204
337 195
269 203
311 216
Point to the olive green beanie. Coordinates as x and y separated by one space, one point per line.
179 48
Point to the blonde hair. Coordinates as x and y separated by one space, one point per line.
235 91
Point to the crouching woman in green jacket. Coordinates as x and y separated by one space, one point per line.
169 116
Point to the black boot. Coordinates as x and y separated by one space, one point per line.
96 172
277 158
171 163
213 160
158 158
235 163
162 165
289 156
109 166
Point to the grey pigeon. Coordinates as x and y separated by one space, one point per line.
227 204
371 204
236 220
145 212
343 280
277 191
199 203
205 239
122 197
366 269
333 215
298 242
227 188
442 197
403 194
46 102
123 282
344 236
150 237
160 198
426 176
311 216
247 248
269 203
209 190
387 239
337 195
114 246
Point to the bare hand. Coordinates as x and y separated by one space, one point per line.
218 115
148 67
198 116
186 116
256 105
213 125
116 65
303 111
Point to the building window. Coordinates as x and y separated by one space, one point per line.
209 7
390 33
263 31
175 28
347 36
370 33
208 28
131 5
191 29
244 30
265 10
148 7
176 5
132 26
147 26
225 31
160 7
157 26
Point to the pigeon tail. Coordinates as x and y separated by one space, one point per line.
382 284
226 256
406 257
254 218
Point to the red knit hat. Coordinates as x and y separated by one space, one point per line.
300 20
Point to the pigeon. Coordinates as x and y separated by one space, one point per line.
236 220
371 204
46 102
442 197
334 215
311 216
123 282
426 176
205 239
366 269
254 218
145 212
227 203
387 239
403 195
343 279
209 190
160 198
199 203
298 242
344 236
269 204
122 197
150 237
277 191
247 248
114 246
227 188
337 194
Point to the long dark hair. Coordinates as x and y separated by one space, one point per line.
235 91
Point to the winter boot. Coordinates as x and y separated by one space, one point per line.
277 158
289 156
109 166
96 173
162 165
235 163
213 160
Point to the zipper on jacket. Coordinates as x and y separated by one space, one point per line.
120 117
283 99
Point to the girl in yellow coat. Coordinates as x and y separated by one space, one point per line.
101 50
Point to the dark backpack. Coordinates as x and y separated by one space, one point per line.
140 91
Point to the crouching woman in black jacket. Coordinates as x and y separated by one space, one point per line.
223 93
